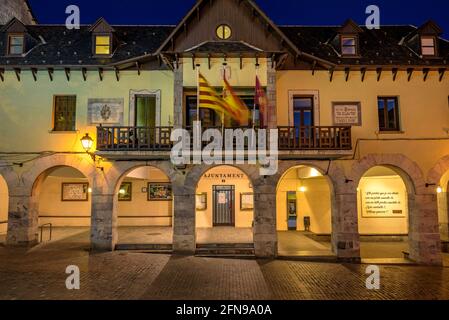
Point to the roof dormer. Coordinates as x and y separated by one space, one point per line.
429 33
103 38
16 38
348 38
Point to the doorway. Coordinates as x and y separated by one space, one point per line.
224 206
145 115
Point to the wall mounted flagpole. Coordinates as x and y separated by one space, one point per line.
198 92
255 98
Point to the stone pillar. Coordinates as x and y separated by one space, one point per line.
271 95
184 228
22 219
265 235
345 235
424 236
103 222
178 96
443 215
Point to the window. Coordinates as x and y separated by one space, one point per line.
102 45
16 44
388 110
349 45
428 46
224 32
64 113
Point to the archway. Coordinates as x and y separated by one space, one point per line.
224 204
63 196
304 211
383 196
143 207
4 198
442 190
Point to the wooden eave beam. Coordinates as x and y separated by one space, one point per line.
441 72
84 72
425 73
394 73
347 72
363 73
2 72
193 61
100 73
410 73
50 73
241 61
67 73
379 73
209 61
117 74
138 67
17 71
331 74
34 73
314 68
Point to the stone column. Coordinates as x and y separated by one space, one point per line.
345 235
265 235
424 236
184 228
443 215
271 95
22 219
178 96
103 222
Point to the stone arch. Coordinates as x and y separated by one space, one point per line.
438 171
424 240
24 203
10 180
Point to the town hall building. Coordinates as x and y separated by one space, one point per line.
361 120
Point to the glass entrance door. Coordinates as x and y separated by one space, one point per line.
224 210
303 117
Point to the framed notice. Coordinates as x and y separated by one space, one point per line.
383 203
160 192
125 192
201 201
105 111
347 113
246 201
75 192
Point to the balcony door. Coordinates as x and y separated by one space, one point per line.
145 111
303 117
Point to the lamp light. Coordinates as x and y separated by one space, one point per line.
439 190
302 189
87 142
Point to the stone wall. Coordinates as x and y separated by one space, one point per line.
15 8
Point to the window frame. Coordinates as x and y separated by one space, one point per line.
355 46
8 48
55 97
397 114
435 48
94 49
224 26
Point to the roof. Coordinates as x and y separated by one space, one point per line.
55 45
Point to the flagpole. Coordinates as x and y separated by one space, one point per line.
198 92
223 96
255 96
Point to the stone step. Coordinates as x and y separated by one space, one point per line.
308 256
228 251
144 247
237 250
227 256
224 245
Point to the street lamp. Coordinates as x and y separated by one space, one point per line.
87 142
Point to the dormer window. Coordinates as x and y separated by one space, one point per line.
349 45
102 44
16 44
428 47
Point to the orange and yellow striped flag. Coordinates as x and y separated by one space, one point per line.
210 99
236 106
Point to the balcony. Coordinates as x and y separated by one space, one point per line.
158 139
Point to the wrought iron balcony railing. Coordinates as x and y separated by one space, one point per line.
158 138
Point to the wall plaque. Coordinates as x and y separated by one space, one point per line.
383 204
75 192
347 113
105 111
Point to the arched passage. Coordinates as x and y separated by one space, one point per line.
143 209
304 211
224 207
384 196
4 198
62 198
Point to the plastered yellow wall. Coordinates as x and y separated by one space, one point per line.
3 205
243 218
315 202
26 107
424 110
383 226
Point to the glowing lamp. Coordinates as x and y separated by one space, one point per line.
439 190
302 189
87 142
122 191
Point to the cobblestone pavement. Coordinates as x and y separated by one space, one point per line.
40 274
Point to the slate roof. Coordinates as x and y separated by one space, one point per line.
58 46
376 47
224 47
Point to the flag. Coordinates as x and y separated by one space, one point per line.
209 97
236 106
261 101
